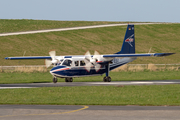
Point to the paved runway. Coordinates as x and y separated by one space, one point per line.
76 112
63 112
62 84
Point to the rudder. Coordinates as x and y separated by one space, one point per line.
129 41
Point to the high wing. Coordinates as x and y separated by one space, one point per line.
138 55
28 57
104 56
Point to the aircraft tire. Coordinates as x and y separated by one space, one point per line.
70 79
54 80
66 80
107 79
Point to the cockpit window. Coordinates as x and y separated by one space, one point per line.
60 61
67 62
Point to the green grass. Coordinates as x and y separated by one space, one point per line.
94 95
38 77
10 25
108 40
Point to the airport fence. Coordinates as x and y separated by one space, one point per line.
151 67
24 68
126 67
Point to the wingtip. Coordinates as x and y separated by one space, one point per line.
167 54
163 54
7 58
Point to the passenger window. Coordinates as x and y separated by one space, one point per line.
76 63
82 63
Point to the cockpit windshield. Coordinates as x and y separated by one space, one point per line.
60 61
67 62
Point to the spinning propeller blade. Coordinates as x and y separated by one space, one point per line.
53 61
48 63
91 61
97 57
97 67
53 54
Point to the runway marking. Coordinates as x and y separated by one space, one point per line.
84 107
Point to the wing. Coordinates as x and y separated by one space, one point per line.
138 55
28 57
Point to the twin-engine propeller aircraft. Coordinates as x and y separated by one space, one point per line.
69 67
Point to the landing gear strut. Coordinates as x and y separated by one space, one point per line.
54 80
68 79
107 78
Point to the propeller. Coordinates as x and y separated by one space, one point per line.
53 61
92 61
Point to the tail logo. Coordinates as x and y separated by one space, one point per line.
130 40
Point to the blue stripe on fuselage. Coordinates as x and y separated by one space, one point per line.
67 56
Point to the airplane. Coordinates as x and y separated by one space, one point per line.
69 67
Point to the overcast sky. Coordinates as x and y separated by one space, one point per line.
92 10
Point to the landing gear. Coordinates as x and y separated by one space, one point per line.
107 79
54 80
68 79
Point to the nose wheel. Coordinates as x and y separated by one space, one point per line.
54 80
107 79
68 79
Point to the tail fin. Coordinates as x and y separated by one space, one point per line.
129 41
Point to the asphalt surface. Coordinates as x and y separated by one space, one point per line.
76 112
68 112
63 84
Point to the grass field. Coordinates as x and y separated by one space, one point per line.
94 95
28 25
39 77
161 37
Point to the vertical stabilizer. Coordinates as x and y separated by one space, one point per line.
129 41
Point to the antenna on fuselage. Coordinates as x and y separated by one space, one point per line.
149 50
24 53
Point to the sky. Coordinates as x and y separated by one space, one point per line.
92 10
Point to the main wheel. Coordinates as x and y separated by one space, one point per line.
107 79
66 80
54 80
70 79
